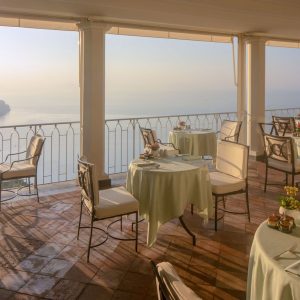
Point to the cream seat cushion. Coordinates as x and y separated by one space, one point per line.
18 170
284 166
165 151
114 202
222 183
175 285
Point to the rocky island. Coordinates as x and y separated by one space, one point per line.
4 108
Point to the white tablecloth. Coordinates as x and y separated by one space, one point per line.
267 279
164 193
194 142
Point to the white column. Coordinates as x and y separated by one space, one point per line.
92 94
256 93
242 89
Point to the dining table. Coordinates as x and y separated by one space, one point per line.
274 265
164 187
195 142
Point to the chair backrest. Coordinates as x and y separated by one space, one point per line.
88 183
232 159
34 149
149 136
169 284
279 148
284 125
230 130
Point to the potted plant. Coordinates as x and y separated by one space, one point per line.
289 205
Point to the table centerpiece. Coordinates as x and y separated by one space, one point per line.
289 205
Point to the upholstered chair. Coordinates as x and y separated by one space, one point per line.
285 126
106 204
280 155
230 130
231 174
23 168
150 139
169 285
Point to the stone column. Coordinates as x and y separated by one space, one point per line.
256 93
242 89
92 96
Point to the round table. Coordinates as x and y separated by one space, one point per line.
194 142
163 193
267 278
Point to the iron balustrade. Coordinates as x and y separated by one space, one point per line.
123 140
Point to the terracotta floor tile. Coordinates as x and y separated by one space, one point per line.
57 267
81 271
33 263
39 285
108 277
96 292
13 279
121 295
137 283
66 290
5 294
50 250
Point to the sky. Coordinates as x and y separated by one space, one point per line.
39 70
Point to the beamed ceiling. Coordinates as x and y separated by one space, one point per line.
271 18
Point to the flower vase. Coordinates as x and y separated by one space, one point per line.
295 213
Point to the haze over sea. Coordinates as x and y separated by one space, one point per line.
144 76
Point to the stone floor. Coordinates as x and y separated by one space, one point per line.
42 259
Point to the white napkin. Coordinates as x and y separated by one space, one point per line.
145 163
294 268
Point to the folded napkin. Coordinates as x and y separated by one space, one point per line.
145 163
294 268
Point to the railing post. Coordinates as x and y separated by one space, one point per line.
133 138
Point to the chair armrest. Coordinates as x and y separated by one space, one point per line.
11 154
171 144
230 136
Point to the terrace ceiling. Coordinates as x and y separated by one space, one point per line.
271 18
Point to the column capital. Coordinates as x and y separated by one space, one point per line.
86 25
255 39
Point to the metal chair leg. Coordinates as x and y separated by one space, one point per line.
266 179
0 193
79 220
90 240
223 200
192 209
247 202
37 190
286 178
293 179
216 212
29 188
136 231
121 221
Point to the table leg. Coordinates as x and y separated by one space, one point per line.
187 230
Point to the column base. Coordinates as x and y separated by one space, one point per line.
257 156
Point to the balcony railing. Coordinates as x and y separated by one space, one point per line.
122 140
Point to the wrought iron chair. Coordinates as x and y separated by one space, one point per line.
280 155
169 284
285 126
106 204
150 138
231 175
23 168
230 130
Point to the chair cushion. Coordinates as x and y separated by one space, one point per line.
114 202
165 151
175 285
229 130
19 170
284 166
232 159
222 183
34 148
